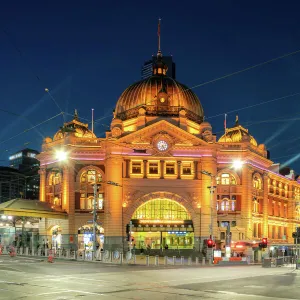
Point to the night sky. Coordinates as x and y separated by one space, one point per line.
87 52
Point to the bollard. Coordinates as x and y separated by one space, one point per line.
101 255
59 253
121 258
111 256
32 252
166 260
39 252
50 257
68 253
174 260
197 261
134 259
147 260
156 261
26 251
189 261
203 261
21 250
182 260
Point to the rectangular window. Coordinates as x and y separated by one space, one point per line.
170 168
136 167
153 168
100 201
186 168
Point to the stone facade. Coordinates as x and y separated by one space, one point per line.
159 151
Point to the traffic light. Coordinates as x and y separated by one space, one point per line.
210 243
264 243
128 232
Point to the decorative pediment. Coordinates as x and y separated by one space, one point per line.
162 130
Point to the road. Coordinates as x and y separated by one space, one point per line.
30 279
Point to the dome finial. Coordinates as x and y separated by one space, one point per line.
76 117
159 54
237 120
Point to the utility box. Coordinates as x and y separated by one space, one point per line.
267 263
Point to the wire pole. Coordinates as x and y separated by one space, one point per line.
95 218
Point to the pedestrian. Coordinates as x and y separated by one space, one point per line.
166 247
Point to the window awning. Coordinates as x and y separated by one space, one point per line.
31 208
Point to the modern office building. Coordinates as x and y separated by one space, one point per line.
26 162
12 184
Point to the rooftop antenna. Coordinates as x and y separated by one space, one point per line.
159 54
92 120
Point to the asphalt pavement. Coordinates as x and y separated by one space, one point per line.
26 279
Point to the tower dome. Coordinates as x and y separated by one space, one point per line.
76 128
159 95
237 134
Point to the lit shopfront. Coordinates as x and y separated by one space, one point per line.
85 238
162 222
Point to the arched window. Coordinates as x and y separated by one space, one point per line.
56 201
226 179
297 213
55 178
256 206
90 176
257 183
225 205
161 209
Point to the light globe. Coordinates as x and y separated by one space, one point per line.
237 164
61 155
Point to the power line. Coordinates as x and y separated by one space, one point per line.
255 105
26 130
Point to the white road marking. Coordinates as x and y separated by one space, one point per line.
254 286
243 295
57 292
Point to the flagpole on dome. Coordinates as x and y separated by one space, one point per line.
225 126
92 120
158 35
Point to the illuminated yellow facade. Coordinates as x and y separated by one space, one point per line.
156 150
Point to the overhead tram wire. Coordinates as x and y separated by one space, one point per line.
236 73
26 130
254 105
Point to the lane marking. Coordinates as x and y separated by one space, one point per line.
240 294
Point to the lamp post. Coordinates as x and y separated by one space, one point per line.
199 206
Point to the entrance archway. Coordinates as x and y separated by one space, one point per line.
162 223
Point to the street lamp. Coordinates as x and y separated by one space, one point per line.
61 155
199 206
237 164
211 189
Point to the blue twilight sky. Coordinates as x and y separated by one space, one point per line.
88 52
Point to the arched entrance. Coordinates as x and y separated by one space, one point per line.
161 223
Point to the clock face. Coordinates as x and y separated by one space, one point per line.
162 145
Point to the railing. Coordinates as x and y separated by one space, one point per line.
159 110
